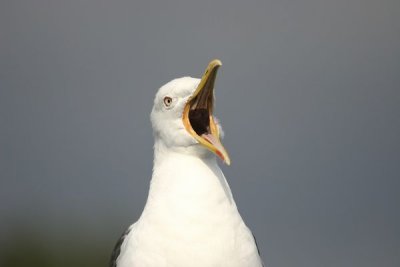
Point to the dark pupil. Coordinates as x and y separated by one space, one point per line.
199 120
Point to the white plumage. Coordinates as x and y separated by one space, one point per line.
190 218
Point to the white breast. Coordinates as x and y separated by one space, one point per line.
190 219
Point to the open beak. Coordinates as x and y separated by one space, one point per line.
197 114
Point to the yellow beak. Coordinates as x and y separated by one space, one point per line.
197 114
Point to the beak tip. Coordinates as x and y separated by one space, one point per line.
216 62
223 156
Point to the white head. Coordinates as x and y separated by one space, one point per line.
182 116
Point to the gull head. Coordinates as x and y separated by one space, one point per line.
182 115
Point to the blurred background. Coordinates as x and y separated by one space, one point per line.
308 94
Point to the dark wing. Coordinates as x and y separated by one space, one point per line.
255 241
117 248
258 250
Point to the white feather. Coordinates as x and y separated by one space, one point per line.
190 218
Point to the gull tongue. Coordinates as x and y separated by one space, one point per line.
220 150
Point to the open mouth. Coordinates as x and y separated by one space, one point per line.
199 120
201 106
197 115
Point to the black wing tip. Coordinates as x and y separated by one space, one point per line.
117 248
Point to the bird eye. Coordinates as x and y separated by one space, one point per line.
167 101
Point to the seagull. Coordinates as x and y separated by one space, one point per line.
190 218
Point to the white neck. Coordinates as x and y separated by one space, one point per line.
190 175
189 213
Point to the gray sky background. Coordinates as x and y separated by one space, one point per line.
308 94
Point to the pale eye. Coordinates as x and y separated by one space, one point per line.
167 101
